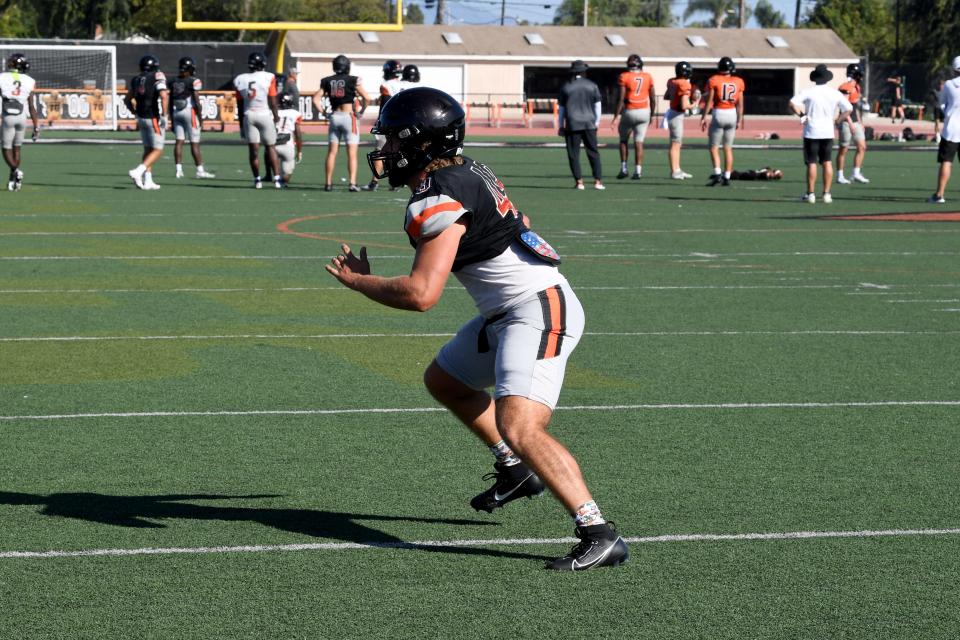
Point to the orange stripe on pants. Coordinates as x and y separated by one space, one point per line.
555 327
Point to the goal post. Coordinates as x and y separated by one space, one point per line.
76 84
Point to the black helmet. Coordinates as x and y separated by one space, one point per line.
187 64
257 61
428 124
411 73
341 64
854 71
684 69
18 62
391 69
726 64
285 100
149 63
634 61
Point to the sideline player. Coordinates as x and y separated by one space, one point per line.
186 116
289 136
392 84
950 134
411 76
460 220
149 99
725 102
852 129
342 90
679 94
16 90
257 107
638 99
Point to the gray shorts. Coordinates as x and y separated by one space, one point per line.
344 128
259 127
287 154
186 126
675 125
634 121
851 132
723 127
12 130
524 352
151 133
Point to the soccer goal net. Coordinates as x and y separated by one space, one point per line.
76 84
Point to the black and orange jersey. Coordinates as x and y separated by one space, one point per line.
471 191
146 93
340 89
727 90
851 89
183 92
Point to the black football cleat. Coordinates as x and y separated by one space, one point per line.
600 546
513 482
725 182
622 174
715 179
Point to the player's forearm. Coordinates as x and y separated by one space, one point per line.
400 292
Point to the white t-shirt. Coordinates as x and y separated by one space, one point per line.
950 103
254 87
820 103
391 87
16 86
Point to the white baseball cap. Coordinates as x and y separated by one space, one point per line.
956 63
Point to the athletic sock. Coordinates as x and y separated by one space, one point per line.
504 454
716 171
841 176
199 168
856 171
726 174
623 167
588 514
179 168
638 169
141 169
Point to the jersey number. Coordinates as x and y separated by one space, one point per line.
636 91
251 90
728 92
16 88
338 88
495 187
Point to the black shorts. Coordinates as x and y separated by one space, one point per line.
938 114
897 102
947 151
817 150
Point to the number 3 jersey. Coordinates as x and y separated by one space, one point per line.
16 86
496 267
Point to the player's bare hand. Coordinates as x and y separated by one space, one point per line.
36 134
703 124
347 266
299 156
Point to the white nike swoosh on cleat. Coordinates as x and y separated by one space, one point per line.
576 565
498 497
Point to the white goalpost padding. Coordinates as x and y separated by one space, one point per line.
76 84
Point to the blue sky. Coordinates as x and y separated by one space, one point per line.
488 11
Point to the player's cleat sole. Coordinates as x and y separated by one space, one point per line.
600 546
621 175
511 483
861 179
827 198
136 177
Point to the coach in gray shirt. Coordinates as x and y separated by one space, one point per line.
579 116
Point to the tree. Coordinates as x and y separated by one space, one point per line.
768 17
17 19
619 13
723 13
928 32
866 26
79 18
414 14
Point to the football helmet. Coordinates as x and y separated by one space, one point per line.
18 62
187 65
634 62
684 69
391 69
421 124
285 101
149 63
854 71
256 61
726 64
341 64
411 73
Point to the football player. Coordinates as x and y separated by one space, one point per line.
460 220
852 129
257 107
725 102
16 91
149 98
411 76
391 85
679 94
289 136
186 116
342 90
638 99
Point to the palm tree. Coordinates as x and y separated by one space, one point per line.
719 9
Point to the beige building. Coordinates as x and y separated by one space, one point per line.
509 65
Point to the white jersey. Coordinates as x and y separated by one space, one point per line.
950 103
288 121
391 87
820 103
406 84
254 88
16 86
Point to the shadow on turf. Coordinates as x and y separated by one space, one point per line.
140 511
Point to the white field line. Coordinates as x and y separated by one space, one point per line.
361 336
919 254
399 410
492 542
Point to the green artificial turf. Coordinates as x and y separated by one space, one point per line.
191 302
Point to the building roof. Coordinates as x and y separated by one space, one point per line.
562 44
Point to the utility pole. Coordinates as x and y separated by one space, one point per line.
743 14
503 11
441 12
586 10
796 16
